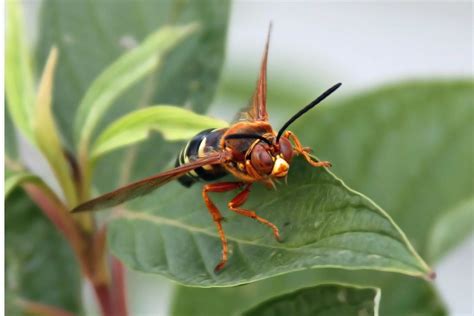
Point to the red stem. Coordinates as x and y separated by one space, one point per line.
90 253
104 296
119 286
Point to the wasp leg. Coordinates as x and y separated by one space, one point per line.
216 215
300 150
240 199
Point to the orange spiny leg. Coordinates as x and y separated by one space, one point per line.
305 151
216 215
240 199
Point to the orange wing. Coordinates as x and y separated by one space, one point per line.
258 106
149 184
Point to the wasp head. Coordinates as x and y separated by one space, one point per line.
271 159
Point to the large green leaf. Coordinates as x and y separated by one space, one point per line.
406 146
325 299
425 124
174 123
90 35
323 223
40 266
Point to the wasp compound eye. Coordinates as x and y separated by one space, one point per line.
261 160
286 149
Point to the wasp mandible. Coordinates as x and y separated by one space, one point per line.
250 150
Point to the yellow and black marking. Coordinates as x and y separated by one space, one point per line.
204 142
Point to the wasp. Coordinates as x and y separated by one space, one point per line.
250 150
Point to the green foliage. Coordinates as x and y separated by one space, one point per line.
450 229
402 145
123 73
332 226
46 134
89 37
19 86
382 133
172 122
39 264
14 178
322 300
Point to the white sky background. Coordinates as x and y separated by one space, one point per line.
362 44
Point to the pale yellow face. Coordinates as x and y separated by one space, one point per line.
280 167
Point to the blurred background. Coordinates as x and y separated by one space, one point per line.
318 43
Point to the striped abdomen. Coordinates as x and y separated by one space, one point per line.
198 146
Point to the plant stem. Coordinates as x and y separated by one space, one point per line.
104 297
119 286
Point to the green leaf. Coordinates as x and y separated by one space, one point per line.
403 295
40 266
90 35
450 229
19 84
46 134
323 222
325 299
172 122
423 123
404 146
124 72
15 178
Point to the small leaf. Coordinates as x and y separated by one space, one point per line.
324 224
451 229
174 123
15 178
39 264
19 85
46 134
324 299
124 72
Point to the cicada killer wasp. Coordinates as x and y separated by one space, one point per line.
250 150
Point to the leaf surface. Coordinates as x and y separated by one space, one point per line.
382 131
123 73
324 224
321 300
174 123
46 134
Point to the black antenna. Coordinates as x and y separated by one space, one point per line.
243 136
307 108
